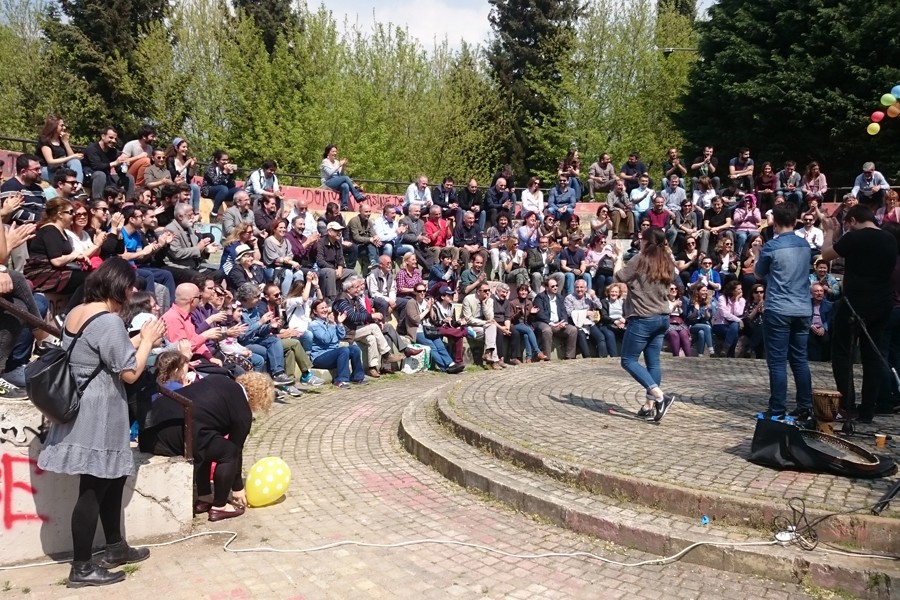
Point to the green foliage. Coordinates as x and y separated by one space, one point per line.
797 81
273 18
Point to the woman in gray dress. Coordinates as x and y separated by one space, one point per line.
95 445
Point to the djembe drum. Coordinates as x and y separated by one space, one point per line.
825 409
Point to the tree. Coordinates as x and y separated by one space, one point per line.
98 39
272 17
796 80
529 57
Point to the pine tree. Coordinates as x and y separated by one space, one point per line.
529 56
272 17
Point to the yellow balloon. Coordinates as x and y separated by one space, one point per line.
267 481
873 128
893 110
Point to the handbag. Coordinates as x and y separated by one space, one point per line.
606 266
430 331
51 385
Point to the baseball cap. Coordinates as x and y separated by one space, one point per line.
444 291
335 226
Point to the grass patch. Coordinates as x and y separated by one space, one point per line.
131 569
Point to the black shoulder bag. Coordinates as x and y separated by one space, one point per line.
51 385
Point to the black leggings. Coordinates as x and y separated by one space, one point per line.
96 498
227 456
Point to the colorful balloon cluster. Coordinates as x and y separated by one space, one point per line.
267 481
892 102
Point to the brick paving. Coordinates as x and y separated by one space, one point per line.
561 410
353 480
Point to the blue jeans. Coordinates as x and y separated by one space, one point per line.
569 283
728 332
73 164
341 359
388 249
741 238
609 336
796 197
160 276
344 185
644 335
195 198
703 333
270 347
219 194
439 355
785 341
528 338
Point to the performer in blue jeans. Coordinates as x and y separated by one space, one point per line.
647 311
787 312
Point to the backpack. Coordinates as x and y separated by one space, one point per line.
51 385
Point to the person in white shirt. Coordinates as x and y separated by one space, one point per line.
814 236
418 193
387 229
138 152
263 183
533 198
641 197
301 209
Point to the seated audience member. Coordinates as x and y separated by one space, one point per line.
104 163
81 240
330 260
425 332
55 152
673 193
562 200
765 187
550 229
747 221
543 263
265 214
829 283
818 347
210 313
182 169
753 333
869 187
298 304
157 174
529 232
890 212
740 171
368 245
552 320
533 198
471 199
672 167
612 318
468 238
263 184
631 172
260 335
333 215
641 197
601 258
444 273
586 300
706 276
179 325
706 166
570 166
704 193
131 247
473 277
304 246
687 260
242 234
678 335
278 256
499 198
601 176
162 433
789 181
727 320
514 269
363 326
407 277
53 265
748 263
418 193
245 269
239 212
296 361
333 177
573 264
725 261
814 236
601 221
688 223
497 236
326 351
415 236
137 153
444 197
382 287
700 315
27 188
219 183
187 251
438 232
662 218
523 310
478 313
443 316
389 230
814 185
717 222
620 210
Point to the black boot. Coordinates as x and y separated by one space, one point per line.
85 573
121 553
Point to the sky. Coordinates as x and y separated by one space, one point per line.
427 20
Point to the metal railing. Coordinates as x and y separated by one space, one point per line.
185 403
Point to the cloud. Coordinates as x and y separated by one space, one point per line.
429 21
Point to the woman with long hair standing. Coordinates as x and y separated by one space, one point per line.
647 311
